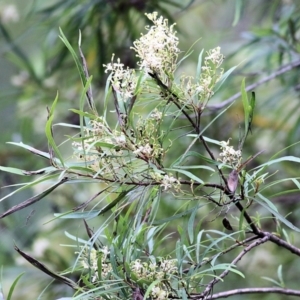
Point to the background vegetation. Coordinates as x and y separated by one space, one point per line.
261 37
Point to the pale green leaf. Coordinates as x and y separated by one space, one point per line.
188 174
48 131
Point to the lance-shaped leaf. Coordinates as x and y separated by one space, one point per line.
248 110
79 66
11 290
31 149
33 199
88 92
115 202
45 270
48 131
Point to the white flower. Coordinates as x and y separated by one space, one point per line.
105 252
120 140
147 150
215 56
169 265
137 266
159 294
123 80
156 115
169 182
157 49
229 155
9 13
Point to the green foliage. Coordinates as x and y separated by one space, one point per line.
159 188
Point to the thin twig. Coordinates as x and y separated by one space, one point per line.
250 87
282 243
273 290
239 257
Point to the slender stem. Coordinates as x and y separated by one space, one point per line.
272 290
225 273
250 87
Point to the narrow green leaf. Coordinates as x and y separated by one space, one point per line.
222 79
245 104
207 139
99 265
81 106
88 92
198 244
237 11
77 239
48 131
229 267
87 215
13 170
74 55
150 288
296 182
29 185
31 149
83 113
188 174
46 170
66 125
107 93
215 242
271 280
113 260
195 167
33 199
86 283
267 201
183 294
177 216
277 215
241 222
187 253
81 103
199 66
14 285
115 202
284 158
191 225
280 277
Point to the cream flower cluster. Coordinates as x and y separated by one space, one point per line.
158 49
123 80
111 154
149 271
229 155
97 157
211 73
154 271
169 182
89 261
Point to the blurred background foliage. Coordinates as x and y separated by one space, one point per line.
259 36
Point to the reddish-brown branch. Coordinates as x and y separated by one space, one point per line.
280 242
273 290
209 287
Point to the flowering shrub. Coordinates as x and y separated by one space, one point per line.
134 253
